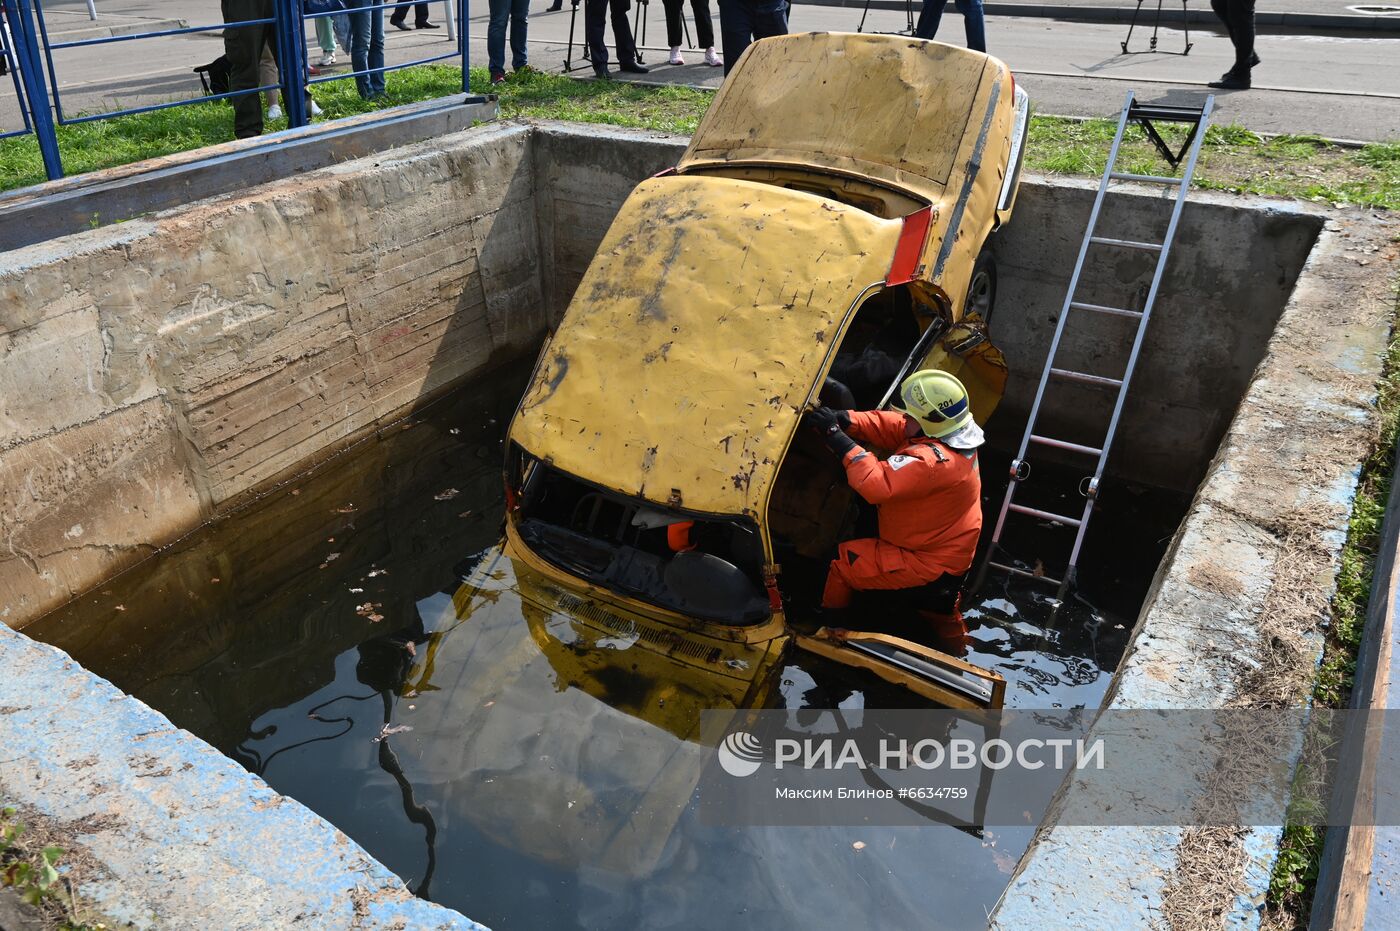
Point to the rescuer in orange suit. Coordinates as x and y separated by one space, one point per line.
929 496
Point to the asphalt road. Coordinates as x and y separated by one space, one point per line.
1339 87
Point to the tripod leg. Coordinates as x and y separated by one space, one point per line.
864 13
909 17
639 29
685 25
1186 25
1156 24
1131 25
569 52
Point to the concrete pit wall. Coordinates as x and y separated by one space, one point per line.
1228 277
158 370
155 371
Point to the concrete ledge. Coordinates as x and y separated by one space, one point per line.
182 836
114 195
1270 21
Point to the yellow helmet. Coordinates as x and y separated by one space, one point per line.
938 401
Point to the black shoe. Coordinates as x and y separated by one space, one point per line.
1231 81
633 67
1254 59
426 26
401 25
602 74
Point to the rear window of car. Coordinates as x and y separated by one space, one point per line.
705 567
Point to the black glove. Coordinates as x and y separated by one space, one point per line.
830 425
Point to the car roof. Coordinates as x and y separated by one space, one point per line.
892 108
696 336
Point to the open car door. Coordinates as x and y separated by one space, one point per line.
935 675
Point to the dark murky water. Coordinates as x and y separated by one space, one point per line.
314 638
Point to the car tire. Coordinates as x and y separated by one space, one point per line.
982 289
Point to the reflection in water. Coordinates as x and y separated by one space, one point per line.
507 751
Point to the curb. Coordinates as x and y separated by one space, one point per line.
1280 21
91 30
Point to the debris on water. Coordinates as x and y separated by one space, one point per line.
214 580
489 704
411 693
332 557
447 494
454 431
347 509
412 707
377 572
859 845
368 610
356 591
411 647
465 514
388 731
121 607
296 491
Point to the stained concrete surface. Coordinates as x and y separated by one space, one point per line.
177 835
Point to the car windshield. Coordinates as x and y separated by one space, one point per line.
701 566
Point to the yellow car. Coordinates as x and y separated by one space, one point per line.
821 233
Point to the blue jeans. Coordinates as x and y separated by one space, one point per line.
741 22
367 47
518 13
972 18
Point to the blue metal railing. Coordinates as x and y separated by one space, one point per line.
41 103
11 61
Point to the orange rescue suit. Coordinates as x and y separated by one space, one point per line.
930 501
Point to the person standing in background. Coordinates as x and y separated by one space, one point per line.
516 13
420 17
1238 17
367 48
325 38
595 20
971 10
741 22
704 30
244 47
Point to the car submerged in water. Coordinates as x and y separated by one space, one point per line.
828 220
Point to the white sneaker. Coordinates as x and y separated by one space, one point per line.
712 58
274 112
675 58
315 110
328 59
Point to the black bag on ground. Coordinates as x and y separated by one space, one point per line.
215 76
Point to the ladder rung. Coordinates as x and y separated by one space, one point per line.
1167 114
1147 179
1127 243
1018 571
1046 515
1065 444
1101 309
1087 378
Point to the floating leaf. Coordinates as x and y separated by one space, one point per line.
446 494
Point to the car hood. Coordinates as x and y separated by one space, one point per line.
695 339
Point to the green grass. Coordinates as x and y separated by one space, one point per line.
1233 158
1294 877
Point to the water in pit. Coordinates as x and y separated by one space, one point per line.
313 637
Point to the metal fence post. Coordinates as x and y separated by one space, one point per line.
36 93
463 36
291 50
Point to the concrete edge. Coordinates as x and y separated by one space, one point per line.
99 30
185 836
1094 877
1287 21
115 195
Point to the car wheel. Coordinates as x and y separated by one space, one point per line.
982 291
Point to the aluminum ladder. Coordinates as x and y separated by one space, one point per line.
1144 115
